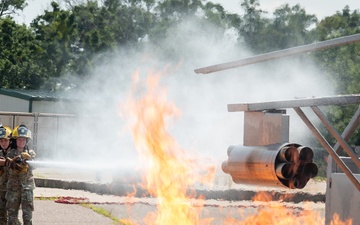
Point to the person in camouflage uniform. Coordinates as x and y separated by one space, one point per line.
21 183
5 145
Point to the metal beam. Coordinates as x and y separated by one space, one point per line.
306 102
281 53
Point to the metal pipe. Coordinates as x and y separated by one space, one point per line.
300 181
305 102
306 154
327 147
281 53
251 165
289 154
310 170
5 113
336 135
266 165
284 170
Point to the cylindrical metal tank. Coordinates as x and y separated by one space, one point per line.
284 165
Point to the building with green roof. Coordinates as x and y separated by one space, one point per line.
35 101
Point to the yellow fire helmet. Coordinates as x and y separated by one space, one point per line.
5 132
21 131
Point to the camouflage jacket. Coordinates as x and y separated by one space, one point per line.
4 172
20 181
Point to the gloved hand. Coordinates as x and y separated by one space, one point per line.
18 164
25 156
32 153
10 161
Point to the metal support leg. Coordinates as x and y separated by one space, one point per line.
336 135
328 148
349 130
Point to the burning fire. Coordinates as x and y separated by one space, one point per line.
276 213
171 172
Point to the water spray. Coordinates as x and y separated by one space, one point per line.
88 166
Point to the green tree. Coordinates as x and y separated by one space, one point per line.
342 63
253 28
55 31
290 26
168 14
189 19
75 39
215 14
10 7
177 9
18 51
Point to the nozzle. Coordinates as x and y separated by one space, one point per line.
284 170
306 154
288 154
309 170
300 181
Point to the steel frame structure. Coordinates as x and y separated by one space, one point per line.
340 182
314 104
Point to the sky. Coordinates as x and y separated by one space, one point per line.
321 8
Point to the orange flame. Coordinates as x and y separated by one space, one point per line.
170 171
277 213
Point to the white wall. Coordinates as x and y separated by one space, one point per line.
12 104
59 107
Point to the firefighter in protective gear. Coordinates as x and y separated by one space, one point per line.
21 184
5 145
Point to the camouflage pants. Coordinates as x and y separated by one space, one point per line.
3 213
14 199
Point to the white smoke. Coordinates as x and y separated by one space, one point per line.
205 126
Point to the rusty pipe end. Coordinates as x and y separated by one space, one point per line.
306 154
284 171
224 167
288 154
310 170
300 181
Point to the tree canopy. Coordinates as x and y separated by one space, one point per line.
10 7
